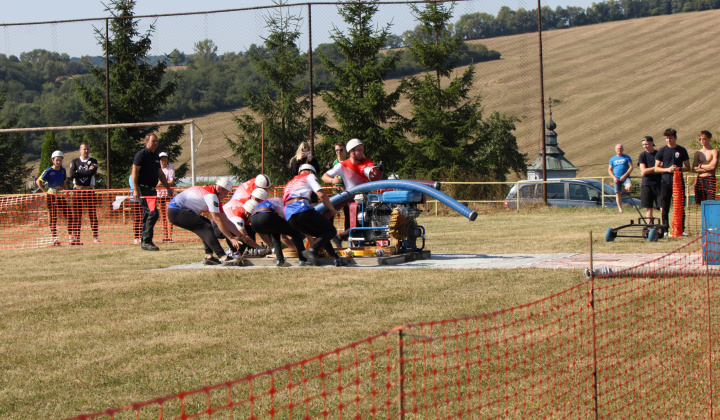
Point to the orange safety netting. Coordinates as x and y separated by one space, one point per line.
86 218
632 344
677 223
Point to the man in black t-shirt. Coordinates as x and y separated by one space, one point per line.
146 172
650 184
668 160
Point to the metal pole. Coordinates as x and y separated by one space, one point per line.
262 148
192 152
107 99
310 76
401 374
542 101
594 343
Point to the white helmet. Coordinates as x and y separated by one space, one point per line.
262 181
250 205
353 143
57 153
260 194
224 183
306 167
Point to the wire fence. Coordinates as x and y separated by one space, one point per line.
627 344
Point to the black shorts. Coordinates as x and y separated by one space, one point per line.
650 196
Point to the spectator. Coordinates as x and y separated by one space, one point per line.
705 164
620 168
146 172
650 183
668 160
82 172
305 219
162 195
56 179
302 156
184 211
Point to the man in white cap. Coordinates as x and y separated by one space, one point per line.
305 219
355 170
184 211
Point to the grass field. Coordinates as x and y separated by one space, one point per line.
88 329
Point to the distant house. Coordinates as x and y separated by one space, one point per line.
557 166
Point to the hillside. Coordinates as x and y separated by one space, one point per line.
614 82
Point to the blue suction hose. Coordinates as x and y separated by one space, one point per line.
339 200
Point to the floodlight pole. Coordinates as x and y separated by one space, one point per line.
542 104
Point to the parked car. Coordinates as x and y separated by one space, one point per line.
566 193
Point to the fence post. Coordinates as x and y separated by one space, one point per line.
401 374
709 298
592 308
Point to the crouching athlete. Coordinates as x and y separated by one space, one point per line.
184 211
268 218
304 218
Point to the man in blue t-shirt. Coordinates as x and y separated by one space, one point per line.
620 168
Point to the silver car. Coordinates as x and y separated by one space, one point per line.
566 193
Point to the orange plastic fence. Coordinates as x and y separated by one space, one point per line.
84 217
677 223
632 344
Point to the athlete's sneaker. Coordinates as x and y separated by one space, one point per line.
211 261
303 263
337 242
233 262
310 256
282 263
149 246
96 240
341 262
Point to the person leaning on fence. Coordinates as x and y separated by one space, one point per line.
620 168
184 211
82 173
56 178
146 172
162 195
305 219
650 183
705 164
668 160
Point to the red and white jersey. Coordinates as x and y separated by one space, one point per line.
244 190
352 174
236 213
302 185
197 199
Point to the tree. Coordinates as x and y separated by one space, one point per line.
205 52
452 139
358 100
49 146
12 167
137 94
281 106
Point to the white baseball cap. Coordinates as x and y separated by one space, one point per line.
250 205
163 154
306 167
259 193
57 153
262 181
224 183
352 144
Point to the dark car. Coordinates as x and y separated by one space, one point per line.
565 193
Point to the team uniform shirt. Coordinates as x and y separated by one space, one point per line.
236 213
353 174
169 172
83 171
648 159
275 203
620 165
197 199
54 177
302 185
244 190
669 157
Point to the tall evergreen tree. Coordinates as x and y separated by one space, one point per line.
358 100
137 94
451 138
281 106
49 146
12 167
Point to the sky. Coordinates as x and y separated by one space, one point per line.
78 39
